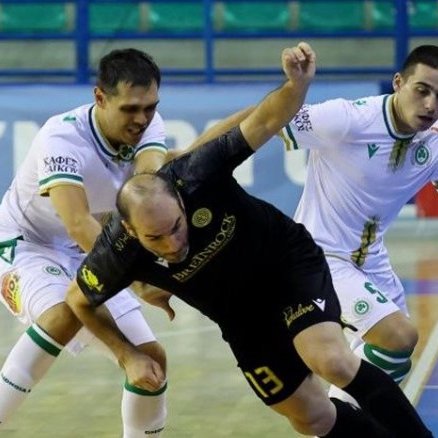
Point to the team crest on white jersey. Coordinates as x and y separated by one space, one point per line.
420 154
126 152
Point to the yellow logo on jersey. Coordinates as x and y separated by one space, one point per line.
201 217
10 289
90 279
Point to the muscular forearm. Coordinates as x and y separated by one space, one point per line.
274 112
221 127
84 231
99 322
280 106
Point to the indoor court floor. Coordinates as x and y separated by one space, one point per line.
208 397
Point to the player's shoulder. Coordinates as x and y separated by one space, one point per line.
339 105
70 127
115 235
365 105
72 121
365 111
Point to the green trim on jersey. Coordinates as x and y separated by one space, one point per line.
291 136
59 177
367 239
151 146
398 154
386 110
7 249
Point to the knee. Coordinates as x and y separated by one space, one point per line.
397 336
402 339
156 351
337 366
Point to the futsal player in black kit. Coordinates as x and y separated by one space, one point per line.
192 230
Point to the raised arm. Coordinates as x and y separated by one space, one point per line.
281 105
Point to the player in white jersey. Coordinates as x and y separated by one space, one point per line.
367 158
51 215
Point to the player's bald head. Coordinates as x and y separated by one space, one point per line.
145 191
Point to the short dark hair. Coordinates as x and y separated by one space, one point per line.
127 65
426 54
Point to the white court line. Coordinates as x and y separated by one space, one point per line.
423 368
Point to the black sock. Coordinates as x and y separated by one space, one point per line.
354 422
378 394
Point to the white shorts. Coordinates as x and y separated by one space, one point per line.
365 298
38 278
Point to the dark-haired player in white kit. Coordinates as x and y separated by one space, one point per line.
367 159
51 215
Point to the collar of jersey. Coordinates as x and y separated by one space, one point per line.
100 139
388 122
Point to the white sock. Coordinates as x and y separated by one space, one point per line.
26 364
143 413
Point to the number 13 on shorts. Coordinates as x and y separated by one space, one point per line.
264 381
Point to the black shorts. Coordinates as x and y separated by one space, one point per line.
263 340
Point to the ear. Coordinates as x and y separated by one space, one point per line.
129 229
99 97
397 82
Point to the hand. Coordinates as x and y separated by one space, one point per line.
299 63
143 372
154 296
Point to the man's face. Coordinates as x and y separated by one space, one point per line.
416 99
124 116
161 229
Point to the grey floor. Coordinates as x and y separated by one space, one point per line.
207 395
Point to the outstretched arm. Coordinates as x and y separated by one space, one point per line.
215 131
141 370
281 105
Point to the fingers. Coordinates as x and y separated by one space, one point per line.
299 63
307 51
300 53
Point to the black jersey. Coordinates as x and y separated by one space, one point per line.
242 250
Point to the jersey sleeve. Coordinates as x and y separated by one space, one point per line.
107 269
214 160
321 125
154 137
59 159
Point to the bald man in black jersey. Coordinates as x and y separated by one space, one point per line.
192 230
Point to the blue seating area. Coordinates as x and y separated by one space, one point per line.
211 21
174 16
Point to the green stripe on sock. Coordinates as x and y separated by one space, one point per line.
393 354
386 363
401 372
43 343
140 391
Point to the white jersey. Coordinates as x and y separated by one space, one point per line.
361 172
68 149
